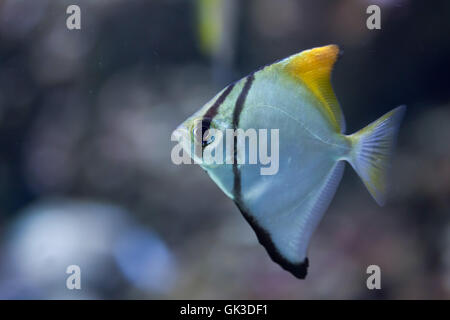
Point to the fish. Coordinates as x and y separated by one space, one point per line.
294 96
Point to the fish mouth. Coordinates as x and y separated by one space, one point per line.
182 136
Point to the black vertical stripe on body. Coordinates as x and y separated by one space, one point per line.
236 117
241 100
299 270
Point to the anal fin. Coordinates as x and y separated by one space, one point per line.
300 270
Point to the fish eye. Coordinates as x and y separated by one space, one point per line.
199 131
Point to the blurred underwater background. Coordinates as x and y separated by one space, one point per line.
86 176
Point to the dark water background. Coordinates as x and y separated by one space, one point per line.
85 170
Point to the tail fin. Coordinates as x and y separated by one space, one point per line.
371 152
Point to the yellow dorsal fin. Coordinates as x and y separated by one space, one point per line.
313 68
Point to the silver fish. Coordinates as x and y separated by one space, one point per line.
294 96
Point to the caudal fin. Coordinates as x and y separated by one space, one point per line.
371 152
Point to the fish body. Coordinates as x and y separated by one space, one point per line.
295 97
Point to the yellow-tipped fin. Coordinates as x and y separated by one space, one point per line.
372 149
313 68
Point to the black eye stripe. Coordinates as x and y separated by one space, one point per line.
200 129
206 124
212 111
208 117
